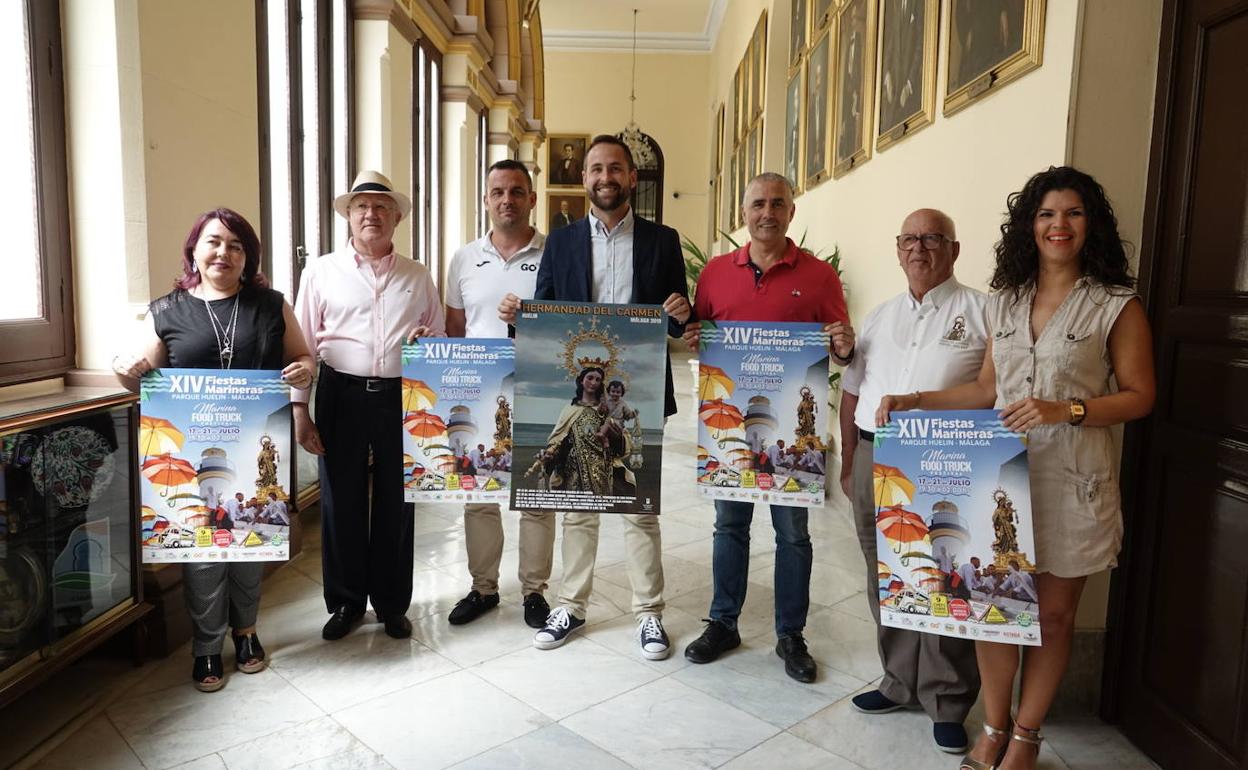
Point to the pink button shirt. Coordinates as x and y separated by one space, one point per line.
356 318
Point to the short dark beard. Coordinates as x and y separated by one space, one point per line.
625 196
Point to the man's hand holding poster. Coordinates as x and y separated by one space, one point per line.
954 527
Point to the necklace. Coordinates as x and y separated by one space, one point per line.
224 332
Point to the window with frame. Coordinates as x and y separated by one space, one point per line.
426 155
36 295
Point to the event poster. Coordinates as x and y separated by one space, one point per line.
589 407
762 397
215 458
457 403
954 527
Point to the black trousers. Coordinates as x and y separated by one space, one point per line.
366 552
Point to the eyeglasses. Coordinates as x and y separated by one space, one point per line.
931 241
362 208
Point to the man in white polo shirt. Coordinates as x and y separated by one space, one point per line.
931 337
504 260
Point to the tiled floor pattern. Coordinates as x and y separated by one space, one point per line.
480 696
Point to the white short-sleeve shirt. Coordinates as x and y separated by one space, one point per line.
479 278
906 345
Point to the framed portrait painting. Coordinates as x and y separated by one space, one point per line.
566 159
793 131
855 72
821 14
565 208
797 31
907 90
815 131
758 66
991 42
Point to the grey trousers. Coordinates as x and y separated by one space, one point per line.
935 672
219 597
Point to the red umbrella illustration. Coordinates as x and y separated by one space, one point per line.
901 526
424 425
166 472
720 416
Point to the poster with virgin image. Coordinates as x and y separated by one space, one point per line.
762 402
457 409
215 459
589 407
954 527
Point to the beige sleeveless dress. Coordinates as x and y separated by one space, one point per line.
1075 498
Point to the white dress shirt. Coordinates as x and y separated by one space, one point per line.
906 345
612 259
479 278
355 318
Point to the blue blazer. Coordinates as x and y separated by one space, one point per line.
566 273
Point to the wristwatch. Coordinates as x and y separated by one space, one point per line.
1077 411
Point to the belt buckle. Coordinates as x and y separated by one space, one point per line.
372 385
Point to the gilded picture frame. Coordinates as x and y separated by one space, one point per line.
798 32
818 113
854 94
1014 31
794 99
718 180
565 160
909 37
758 66
578 207
821 13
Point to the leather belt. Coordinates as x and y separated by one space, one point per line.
369 384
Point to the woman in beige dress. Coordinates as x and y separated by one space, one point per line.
1069 356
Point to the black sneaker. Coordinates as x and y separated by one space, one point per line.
654 643
536 610
716 639
471 607
559 626
797 661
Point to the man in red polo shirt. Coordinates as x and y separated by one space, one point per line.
767 279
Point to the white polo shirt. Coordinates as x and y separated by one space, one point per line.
905 345
479 278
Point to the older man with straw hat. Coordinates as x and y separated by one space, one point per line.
356 307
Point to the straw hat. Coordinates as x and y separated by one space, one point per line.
376 183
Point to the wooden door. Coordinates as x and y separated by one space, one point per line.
1179 682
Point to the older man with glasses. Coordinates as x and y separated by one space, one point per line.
929 337
356 307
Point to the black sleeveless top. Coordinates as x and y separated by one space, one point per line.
182 323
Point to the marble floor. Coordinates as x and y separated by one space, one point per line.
480 696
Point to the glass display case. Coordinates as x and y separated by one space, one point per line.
69 530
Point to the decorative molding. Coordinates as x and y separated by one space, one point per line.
647 42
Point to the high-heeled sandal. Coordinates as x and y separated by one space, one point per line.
975 764
248 654
208 666
1029 736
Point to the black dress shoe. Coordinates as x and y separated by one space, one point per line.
716 639
473 606
536 610
397 625
248 654
797 661
341 623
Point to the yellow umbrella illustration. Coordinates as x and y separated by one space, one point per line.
891 486
714 383
158 436
417 395
408 460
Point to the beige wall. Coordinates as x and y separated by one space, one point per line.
201 145
587 93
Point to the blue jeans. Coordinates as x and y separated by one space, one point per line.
731 564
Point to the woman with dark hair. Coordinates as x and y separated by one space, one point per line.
576 457
221 315
1065 328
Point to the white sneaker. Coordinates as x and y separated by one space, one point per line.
559 626
654 643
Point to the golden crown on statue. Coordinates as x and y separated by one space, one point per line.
594 334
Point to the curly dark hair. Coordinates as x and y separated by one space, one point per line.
580 382
1104 255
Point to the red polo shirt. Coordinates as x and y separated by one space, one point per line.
799 287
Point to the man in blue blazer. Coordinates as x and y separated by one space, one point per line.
612 256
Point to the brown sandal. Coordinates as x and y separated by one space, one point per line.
974 764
